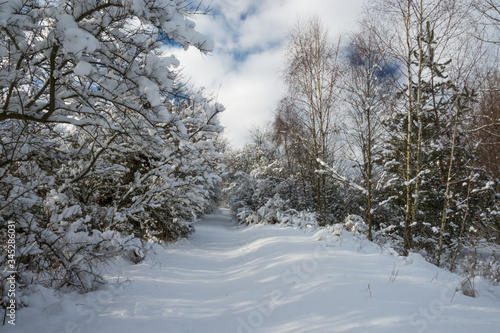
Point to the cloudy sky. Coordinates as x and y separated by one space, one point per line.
244 69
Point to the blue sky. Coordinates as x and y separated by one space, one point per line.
244 69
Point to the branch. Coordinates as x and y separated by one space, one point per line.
341 178
93 162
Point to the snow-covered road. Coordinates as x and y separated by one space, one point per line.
269 279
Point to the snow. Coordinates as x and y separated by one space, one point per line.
151 91
227 278
75 40
82 68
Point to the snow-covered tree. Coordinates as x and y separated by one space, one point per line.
97 153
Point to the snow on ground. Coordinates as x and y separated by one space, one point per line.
227 278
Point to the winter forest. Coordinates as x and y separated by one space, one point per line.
395 126
391 131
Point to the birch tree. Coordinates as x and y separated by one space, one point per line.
311 76
366 87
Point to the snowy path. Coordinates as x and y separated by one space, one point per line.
270 279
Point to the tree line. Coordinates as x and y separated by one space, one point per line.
396 122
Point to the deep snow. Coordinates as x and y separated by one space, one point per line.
228 278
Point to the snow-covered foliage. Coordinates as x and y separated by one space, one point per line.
260 189
449 193
276 211
97 155
355 224
265 183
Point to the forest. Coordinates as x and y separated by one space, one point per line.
394 127
105 148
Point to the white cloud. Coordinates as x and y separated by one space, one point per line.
244 67
251 93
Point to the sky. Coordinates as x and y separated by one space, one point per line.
243 71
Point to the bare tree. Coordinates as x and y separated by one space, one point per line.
489 126
366 84
490 9
311 76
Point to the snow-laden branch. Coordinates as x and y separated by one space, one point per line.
337 176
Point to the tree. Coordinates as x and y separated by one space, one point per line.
97 152
261 188
490 9
489 125
446 22
311 76
367 82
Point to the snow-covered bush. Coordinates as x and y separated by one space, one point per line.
259 185
97 152
355 223
299 219
276 211
270 213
